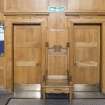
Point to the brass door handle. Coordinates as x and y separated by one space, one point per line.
74 61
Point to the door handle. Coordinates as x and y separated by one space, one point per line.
74 61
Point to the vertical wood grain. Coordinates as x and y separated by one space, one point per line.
85 44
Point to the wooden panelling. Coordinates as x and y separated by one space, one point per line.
27 54
1 17
2 73
81 60
57 36
42 6
57 65
86 58
58 3
86 5
1 5
25 5
85 39
103 59
9 21
2 58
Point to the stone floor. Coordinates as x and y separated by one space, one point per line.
56 102
4 98
84 98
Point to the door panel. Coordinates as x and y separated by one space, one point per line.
27 54
57 65
86 54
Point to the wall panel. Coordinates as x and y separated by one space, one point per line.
2 58
1 5
25 5
2 73
42 5
86 5
31 6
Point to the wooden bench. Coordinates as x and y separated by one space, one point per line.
57 84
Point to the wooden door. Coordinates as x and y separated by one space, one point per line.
86 54
27 54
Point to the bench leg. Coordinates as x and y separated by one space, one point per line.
43 93
70 97
44 96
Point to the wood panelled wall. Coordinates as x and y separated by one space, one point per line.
17 8
41 5
9 21
25 5
86 5
1 5
2 59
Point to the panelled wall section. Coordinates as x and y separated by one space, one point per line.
29 24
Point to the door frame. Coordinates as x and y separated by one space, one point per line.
10 57
101 22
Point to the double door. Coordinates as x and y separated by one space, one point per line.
83 61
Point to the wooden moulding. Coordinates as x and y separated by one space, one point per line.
47 13
25 13
1 17
85 13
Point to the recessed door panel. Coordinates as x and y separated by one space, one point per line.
57 64
27 54
86 56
